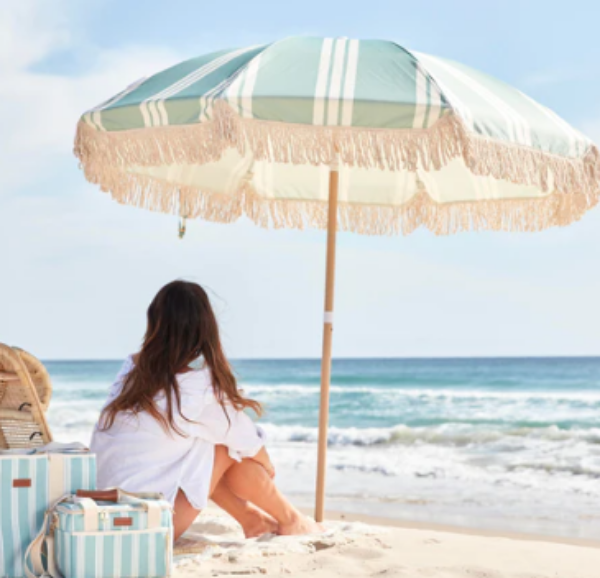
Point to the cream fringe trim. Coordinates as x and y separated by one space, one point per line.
161 145
575 183
410 149
442 219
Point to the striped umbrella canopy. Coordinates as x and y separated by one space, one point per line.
421 141
355 135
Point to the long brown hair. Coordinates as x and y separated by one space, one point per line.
181 327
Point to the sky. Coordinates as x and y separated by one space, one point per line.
78 270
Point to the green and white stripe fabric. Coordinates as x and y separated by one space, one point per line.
138 550
337 82
28 485
266 123
21 509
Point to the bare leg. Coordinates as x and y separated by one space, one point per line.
184 513
250 482
237 488
254 522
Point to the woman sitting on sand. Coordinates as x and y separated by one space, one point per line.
174 423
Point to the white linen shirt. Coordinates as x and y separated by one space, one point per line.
137 455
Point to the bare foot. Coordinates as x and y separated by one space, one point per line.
301 525
259 523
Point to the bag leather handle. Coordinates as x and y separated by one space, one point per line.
117 496
100 495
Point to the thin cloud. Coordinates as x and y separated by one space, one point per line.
39 111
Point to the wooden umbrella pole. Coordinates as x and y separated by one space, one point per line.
327 340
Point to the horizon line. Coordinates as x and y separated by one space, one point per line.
351 358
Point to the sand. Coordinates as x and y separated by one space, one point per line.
353 548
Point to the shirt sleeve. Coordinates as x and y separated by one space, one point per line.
229 427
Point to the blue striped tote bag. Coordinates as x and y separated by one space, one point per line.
31 481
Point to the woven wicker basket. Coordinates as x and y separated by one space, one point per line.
25 392
39 376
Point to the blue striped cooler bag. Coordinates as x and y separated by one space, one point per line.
31 480
115 535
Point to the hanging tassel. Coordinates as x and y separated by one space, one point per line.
182 227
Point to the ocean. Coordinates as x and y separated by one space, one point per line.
505 444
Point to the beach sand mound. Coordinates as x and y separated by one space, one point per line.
215 546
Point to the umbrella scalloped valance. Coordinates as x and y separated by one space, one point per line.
419 141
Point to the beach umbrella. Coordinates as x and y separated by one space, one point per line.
363 136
